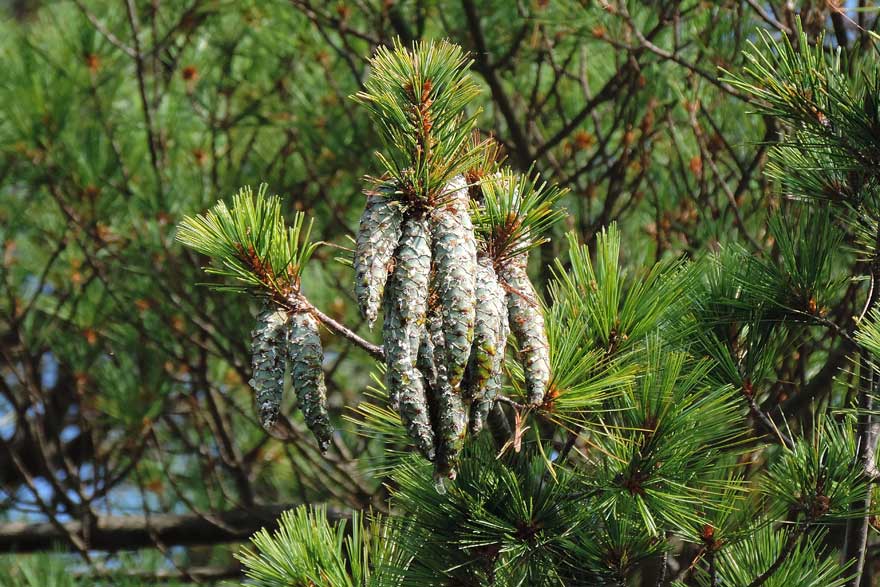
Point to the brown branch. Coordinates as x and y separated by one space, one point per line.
375 351
489 72
114 533
152 139
190 574
768 18
107 33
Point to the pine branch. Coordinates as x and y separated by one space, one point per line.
251 244
338 328
417 98
786 551
514 213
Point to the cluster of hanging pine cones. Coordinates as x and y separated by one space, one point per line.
448 310
285 340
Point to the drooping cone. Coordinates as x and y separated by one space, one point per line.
527 325
499 425
455 258
447 408
377 239
490 337
307 373
405 303
268 360
481 408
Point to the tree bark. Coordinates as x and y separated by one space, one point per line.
113 533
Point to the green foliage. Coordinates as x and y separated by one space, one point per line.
417 99
868 333
644 448
647 469
43 570
832 151
381 424
815 481
515 213
502 521
40 571
620 308
805 565
251 243
745 307
308 550
802 281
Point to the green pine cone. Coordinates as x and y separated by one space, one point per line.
307 373
405 304
482 407
268 361
447 409
455 258
487 382
428 359
491 311
377 238
527 324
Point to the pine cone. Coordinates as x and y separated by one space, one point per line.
377 239
307 372
405 303
527 324
268 361
490 339
455 258
447 408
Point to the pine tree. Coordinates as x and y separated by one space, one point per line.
634 445
615 336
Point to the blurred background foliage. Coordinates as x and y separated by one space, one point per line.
125 417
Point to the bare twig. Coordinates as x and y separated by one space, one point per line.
142 88
374 350
108 34
768 18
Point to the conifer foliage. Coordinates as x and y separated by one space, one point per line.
661 372
618 406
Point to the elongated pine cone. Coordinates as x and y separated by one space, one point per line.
268 362
446 406
455 261
377 239
405 304
307 374
486 364
527 324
